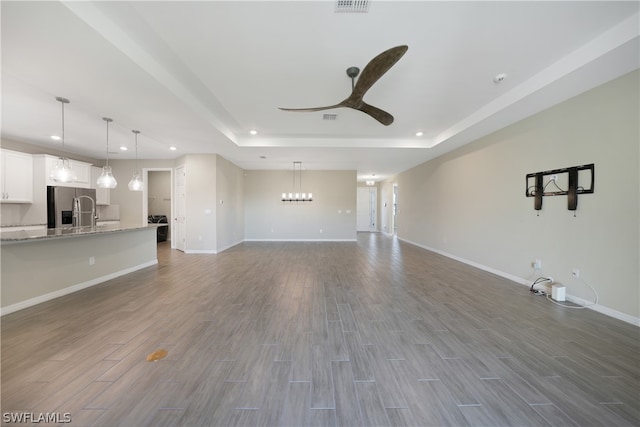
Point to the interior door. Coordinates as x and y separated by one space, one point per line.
395 208
366 209
179 221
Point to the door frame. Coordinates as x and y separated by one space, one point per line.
145 193
394 208
373 208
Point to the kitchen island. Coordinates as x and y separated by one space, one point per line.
39 265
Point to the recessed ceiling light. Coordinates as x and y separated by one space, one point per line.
172 148
55 137
419 134
253 132
123 148
499 78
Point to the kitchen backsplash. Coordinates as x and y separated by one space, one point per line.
108 213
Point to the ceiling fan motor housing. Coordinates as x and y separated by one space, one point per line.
353 72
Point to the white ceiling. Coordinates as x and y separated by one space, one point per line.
201 75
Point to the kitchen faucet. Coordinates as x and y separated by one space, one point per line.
77 217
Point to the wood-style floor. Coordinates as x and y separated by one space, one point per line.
373 333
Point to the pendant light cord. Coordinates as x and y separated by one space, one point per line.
107 119
62 101
63 152
136 132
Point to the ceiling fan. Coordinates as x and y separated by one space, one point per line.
371 73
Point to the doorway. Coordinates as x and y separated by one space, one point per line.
157 195
366 211
394 216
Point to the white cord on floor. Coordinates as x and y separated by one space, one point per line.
578 306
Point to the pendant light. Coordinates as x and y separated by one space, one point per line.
136 183
106 179
62 171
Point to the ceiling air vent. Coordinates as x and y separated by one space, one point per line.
352 6
329 116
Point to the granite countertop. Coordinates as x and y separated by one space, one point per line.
56 233
21 225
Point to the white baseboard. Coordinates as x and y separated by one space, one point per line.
605 310
301 240
597 307
211 251
74 288
224 248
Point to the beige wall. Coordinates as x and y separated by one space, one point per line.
385 206
471 203
214 203
230 206
131 202
36 271
200 233
331 215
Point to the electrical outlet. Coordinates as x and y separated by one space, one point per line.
92 260
537 264
575 272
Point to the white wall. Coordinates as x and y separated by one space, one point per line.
471 203
331 215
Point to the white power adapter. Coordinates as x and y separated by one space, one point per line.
559 292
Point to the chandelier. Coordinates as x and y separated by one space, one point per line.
296 195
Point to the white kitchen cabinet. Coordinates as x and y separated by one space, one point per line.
83 173
16 177
81 169
103 195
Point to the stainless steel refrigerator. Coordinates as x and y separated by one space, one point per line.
70 207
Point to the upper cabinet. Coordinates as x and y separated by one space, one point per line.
16 177
81 169
103 195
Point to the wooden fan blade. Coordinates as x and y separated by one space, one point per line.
371 73
376 69
378 114
313 109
